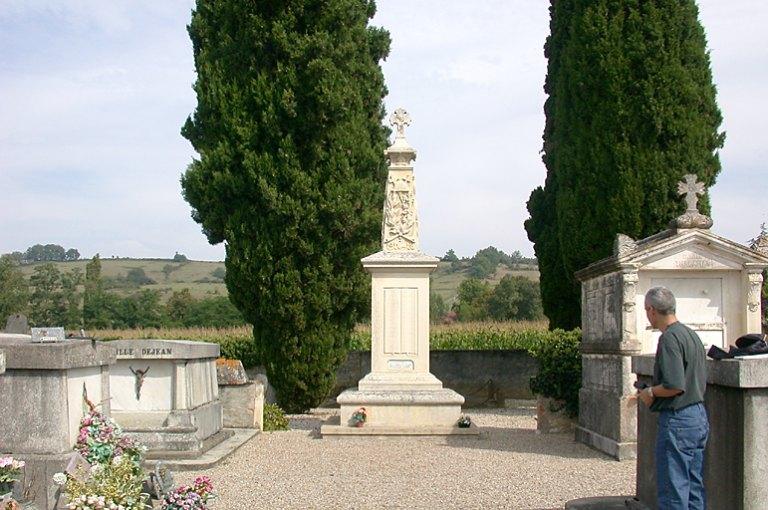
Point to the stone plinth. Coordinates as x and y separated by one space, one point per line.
41 397
737 404
717 286
2 362
242 400
165 394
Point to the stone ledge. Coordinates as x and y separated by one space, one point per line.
404 397
164 349
619 451
603 503
332 427
24 355
213 456
734 373
2 362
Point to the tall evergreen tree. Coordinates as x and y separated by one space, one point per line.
289 131
631 109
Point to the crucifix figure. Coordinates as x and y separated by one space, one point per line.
691 189
399 120
139 374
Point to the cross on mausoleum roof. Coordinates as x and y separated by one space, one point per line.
692 218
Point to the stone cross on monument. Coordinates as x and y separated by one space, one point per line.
399 119
399 396
692 218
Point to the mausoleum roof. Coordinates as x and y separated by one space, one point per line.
721 253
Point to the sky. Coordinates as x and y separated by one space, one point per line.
93 95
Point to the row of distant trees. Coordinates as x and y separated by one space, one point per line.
51 297
484 263
45 253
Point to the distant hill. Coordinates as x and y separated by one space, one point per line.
202 278
205 279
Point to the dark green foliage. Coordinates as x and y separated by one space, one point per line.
95 312
48 302
450 256
559 375
437 307
72 254
472 300
178 257
515 298
291 172
138 277
13 289
48 253
631 109
274 418
219 273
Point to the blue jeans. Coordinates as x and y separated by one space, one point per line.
680 443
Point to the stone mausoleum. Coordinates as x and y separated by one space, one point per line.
717 285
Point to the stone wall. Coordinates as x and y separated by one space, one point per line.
483 378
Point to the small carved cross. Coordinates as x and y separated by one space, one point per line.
691 188
399 119
139 374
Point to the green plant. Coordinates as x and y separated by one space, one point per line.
274 418
290 174
559 374
631 109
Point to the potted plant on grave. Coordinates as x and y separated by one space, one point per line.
10 469
359 417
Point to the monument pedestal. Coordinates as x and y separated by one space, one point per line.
400 396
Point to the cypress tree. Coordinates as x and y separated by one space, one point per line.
290 175
630 110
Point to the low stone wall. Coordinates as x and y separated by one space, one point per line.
483 378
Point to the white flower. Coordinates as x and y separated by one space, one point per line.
59 478
116 460
96 469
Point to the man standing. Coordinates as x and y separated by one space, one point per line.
677 394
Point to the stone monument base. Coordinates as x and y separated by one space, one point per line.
617 450
400 412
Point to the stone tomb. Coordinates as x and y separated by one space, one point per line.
164 393
41 402
400 395
717 286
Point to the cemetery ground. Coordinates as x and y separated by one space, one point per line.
508 466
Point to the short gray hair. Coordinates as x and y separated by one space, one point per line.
661 299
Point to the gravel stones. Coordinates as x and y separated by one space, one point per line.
508 466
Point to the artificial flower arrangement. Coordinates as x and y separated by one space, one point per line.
114 479
10 469
464 421
359 417
190 497
113 486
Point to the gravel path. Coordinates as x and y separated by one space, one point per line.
507 466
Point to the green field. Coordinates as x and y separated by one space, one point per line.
197 276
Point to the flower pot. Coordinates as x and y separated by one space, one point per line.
359 424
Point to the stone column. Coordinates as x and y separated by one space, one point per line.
400 395
754 285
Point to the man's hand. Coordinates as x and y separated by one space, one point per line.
646 396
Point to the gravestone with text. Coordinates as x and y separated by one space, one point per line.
716 283
165 394
399 395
